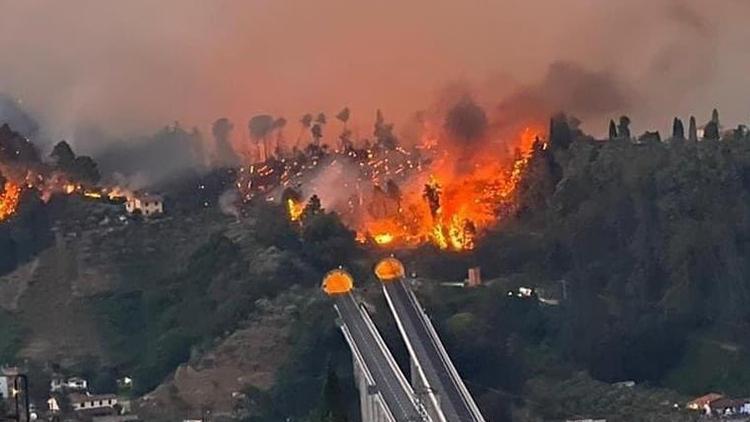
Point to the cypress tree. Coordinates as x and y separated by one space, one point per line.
692 130
612 130
711 131
678 130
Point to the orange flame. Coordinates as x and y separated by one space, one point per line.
9 199
294 209
462 196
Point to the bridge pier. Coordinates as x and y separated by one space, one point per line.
371 409
424 393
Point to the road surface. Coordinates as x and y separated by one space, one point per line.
437 368
397 395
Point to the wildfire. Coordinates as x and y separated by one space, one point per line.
9 199
455 202
442 190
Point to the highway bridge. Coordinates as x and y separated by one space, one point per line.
385 394
437 392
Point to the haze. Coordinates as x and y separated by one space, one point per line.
129 67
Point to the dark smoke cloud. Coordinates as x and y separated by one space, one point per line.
466 121
13 113
569 88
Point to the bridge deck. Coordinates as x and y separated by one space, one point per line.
438 370
397 395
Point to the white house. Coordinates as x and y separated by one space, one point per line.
53 405
4 386
87 401
146 204
76 383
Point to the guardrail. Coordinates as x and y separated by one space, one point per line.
435 404
363 366
442 353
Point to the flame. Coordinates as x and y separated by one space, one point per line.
439 191
9 200
457 201
294 209
383 238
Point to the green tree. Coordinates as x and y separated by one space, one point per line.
678 130
711 131
86 169
560 135
692 130
623 128
81 168
612 130
333 406
63 155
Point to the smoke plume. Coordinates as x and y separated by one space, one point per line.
127 68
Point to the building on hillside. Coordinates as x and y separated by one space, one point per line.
703 402
8 379
76 384
145 204
586 420
53 405
115 418
474 277
729 407
88 401
5 387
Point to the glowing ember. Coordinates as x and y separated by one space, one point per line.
9 200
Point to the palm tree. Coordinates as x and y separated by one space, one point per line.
260 126
306 121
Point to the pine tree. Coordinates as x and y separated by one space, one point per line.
692 130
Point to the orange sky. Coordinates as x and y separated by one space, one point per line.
136 65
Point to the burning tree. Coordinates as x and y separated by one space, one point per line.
278 126
305 123
317 128
346 134
260 127
383 132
